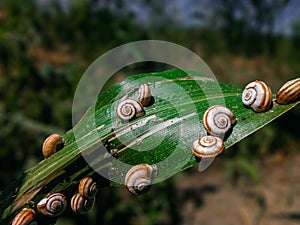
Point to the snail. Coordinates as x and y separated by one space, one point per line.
129 109
218 120
139 178
50 145
53 205
208 146
258 96
144 95
87 187
25 217
80 204
289 92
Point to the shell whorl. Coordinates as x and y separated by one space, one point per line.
50 145
53 205
144 95
129 109
258 96
208 146
139 178
218 120
80 204
289 92
25 217
87 187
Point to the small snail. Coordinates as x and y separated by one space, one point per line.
129 109
218 120
80 204
138 179
53 205
50 145
208 146
144 95
25 217
289 92
87 187
258 96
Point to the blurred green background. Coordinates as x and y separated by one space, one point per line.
45 47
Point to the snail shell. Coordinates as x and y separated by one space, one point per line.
144 95
218 120
129 109
53 205
80 204
50 145
87 187
258 96
208 146
25 217
289 92
138 179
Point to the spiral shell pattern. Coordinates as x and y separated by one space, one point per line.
87 187
208 146
138 179
258 96
289 92
25 217
129 109
50 145
218 120
144 95
53 205
80 204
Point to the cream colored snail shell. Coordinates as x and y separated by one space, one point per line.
258 96
289 92
87 187
50 145
208 146
144 95
25 217
80 204
129 109
53 205
139 178
217 120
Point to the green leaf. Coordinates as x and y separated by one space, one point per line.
163 136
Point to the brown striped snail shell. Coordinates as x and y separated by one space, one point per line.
258 96
25 217
289 92
50 145
53 205
129 109
217 120
87 187
144 95
139 178
80 204
208 146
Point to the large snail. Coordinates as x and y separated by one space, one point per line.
25 217
144 95
87 187
218 120
53 205
80 204
51 144
258 96
129 109
139 178
289 92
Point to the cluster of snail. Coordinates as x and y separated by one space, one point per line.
53 205
129 109
219 120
